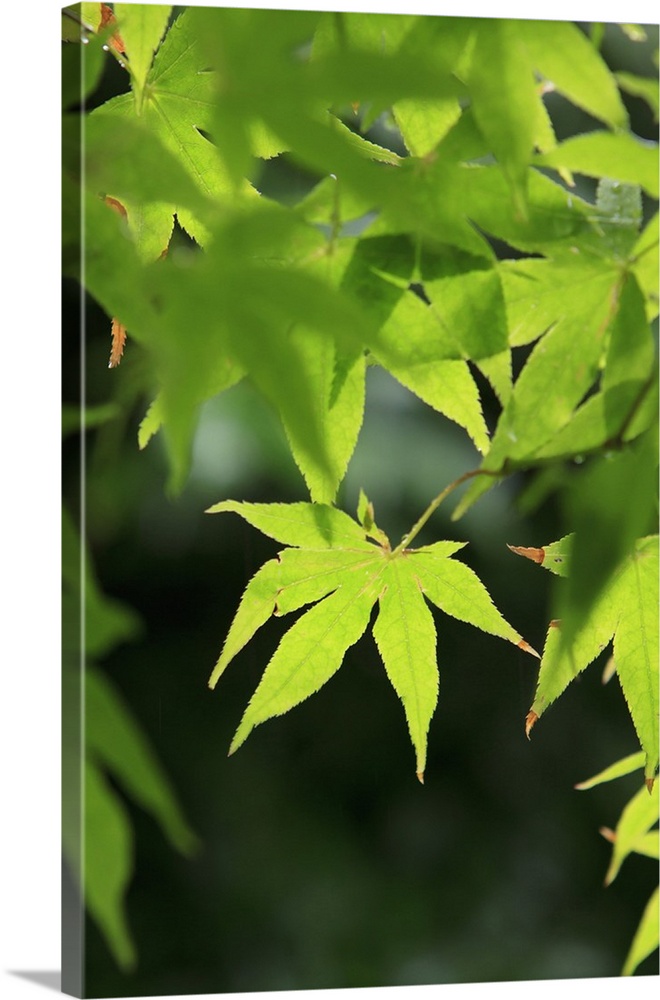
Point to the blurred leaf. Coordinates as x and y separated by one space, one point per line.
92 623
635 32
115 741
124 158
75 17
176 110
108 855
626 405
333 204
99 728
625 766
82 66
74 420
559 371
363 146
619 155
645 266
506 113
422 345
633 834
620 209
640 86
470 307
645 941
114 273
556 221
339 413
425 122
607 517
568 60
620 413
625 610
142 28
284 78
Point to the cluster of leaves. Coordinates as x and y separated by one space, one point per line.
390 260
101 740
625 611
634 834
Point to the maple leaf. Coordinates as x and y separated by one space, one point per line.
176 98
626 611
636 833
334 565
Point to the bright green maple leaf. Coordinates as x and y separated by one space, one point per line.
625 611
634 832
335 566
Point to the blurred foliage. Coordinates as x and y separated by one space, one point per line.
353 214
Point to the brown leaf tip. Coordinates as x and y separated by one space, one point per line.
536 555
118 341
527 648
530 720
649 782
420 777
608 834
116 206
108 18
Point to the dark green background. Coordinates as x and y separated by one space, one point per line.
324 862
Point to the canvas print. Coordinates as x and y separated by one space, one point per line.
359 515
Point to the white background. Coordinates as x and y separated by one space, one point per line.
30 494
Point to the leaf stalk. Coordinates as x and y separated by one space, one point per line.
432 507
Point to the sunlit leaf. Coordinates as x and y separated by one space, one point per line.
405 635
338 567
627 765
640 86
142 28
605 154
554 556
507 113
637 818
569 61
626 610
645 941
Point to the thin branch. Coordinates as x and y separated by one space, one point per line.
433 506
